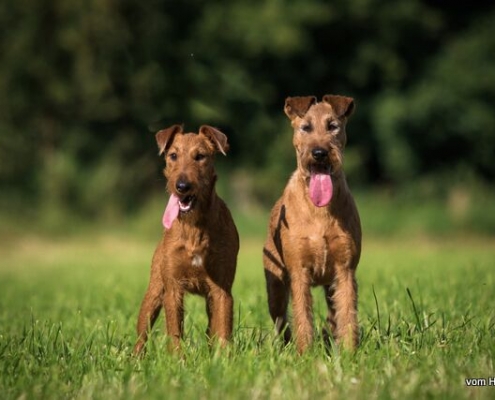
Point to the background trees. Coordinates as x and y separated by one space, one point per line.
85 85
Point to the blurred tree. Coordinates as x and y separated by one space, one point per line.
87 83
81 88
445 120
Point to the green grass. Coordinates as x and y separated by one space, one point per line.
68 308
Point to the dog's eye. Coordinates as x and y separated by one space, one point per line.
306 128
332 126
173 156
199 157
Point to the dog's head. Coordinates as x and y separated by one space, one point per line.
319 139
189 167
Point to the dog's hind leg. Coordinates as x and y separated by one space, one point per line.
329 329
278 290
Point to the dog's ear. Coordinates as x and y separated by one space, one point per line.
342 105
298 106
165 136
218 138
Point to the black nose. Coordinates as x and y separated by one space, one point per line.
319 154
182 186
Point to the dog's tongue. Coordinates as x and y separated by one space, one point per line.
320 189
171 212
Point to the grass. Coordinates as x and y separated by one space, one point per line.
68 308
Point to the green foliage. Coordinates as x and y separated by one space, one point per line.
445 120
87 83
67 326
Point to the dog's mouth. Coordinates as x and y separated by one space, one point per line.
314 169
186 203
177 205
320 184
320 168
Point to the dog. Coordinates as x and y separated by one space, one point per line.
314 233
198 251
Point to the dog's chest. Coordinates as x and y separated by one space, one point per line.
320 248
191 271
187 259
316 256
195 255
197 260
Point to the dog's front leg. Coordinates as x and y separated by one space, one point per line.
221 309
150 309
345 305
303 309
173 303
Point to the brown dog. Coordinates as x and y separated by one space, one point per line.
198 250
314 235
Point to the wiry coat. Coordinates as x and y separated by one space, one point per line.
198 254
308 245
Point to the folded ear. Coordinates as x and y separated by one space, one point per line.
218 138
165 136
343 106
298 106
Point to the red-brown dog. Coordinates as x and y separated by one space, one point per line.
314 235
198 250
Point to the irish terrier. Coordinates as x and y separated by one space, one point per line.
314 234
198 250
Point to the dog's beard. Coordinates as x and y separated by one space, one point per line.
188 207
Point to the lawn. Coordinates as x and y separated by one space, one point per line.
68 308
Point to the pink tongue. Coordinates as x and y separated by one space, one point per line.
320 189
171 212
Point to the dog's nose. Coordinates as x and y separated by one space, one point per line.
319 154
182 186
